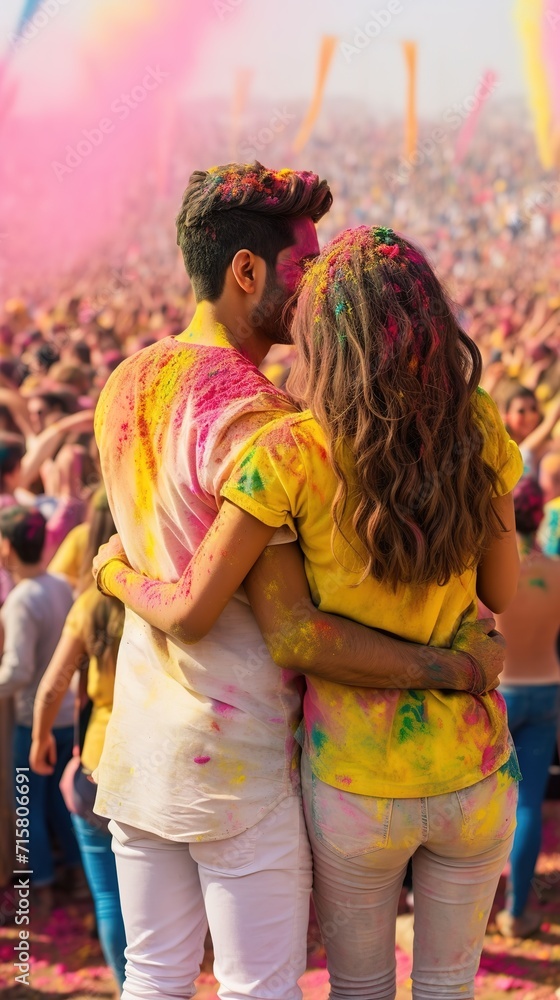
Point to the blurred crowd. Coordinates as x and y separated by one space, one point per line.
491 225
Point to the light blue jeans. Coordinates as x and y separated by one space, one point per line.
459 844
101 872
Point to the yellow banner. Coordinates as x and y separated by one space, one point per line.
529 18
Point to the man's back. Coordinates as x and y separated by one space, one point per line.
531 624
169 425
33 616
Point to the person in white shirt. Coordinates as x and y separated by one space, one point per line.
32 619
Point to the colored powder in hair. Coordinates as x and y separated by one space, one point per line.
228 184
354 250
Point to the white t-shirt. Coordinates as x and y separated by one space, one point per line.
200 745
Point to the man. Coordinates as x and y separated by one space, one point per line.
199 772
32 619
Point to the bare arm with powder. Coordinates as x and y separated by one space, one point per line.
298 635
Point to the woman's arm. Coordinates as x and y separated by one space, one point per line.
17 406
45 444
498 571
67 658
544 430
297 634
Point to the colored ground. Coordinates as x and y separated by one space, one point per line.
66 960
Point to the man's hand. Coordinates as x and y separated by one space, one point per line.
487 648
111 550
42 756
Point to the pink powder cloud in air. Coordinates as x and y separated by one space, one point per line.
88 110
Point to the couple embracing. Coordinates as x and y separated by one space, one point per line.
340 531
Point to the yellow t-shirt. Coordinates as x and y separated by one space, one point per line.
100 682
382 743
68 559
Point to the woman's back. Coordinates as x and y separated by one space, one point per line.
366 741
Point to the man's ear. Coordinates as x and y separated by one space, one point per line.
249 272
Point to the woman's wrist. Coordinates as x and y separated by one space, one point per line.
110 576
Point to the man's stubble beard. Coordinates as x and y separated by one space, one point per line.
270 317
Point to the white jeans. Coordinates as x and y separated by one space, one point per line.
252 890
459 844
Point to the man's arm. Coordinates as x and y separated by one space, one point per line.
298 635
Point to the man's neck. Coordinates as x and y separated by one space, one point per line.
23 571
214 325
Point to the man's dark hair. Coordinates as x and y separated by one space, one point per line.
47 355
63 401
24 528
520 393
12 450
81 351
242 206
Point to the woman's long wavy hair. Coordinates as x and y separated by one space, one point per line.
389 375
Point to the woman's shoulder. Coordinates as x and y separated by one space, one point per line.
484 407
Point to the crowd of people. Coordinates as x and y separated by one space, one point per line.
491 228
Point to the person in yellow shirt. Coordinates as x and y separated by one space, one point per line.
398 480
68 558
92 631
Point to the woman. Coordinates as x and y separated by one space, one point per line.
528 428
531 688
92 630
398 479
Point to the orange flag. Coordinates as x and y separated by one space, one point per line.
410 50
326 52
